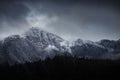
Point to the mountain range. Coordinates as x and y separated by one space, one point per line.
36 44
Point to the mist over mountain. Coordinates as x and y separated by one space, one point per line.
36 44
71 19
59 39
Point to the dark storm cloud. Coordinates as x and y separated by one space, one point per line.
12 10
86 19
12 17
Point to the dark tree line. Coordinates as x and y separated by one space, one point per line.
62 67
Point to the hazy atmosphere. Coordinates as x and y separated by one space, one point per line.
71 19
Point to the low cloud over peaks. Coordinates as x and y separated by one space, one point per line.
88 19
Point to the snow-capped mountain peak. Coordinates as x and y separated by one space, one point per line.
43 38
38 44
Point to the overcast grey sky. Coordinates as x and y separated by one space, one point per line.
71 19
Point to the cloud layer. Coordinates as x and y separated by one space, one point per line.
88 19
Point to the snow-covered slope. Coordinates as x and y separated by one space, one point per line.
19 50
42 38
104 49
37 44
111 45
80 42
31 47
66 46
87 48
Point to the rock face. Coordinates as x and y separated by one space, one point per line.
37 44
111 45
113 48
31 47
88 49
19 50
42 38
104 49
